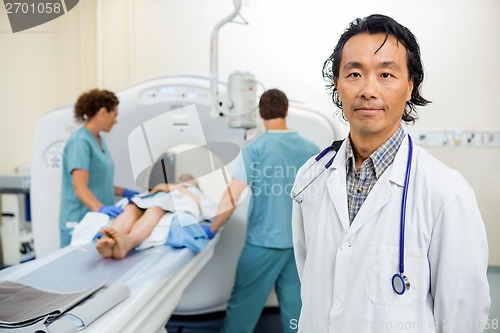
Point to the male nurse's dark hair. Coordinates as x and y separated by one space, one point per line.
273 104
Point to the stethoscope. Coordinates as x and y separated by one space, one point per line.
400 282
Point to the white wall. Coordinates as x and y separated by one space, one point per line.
40 69
115 43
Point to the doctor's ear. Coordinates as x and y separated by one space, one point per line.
410 91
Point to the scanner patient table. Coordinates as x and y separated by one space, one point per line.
156 277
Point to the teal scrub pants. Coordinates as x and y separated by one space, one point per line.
260 268
65 236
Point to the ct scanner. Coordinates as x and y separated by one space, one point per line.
162 280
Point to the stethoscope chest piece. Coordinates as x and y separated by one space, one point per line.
400 283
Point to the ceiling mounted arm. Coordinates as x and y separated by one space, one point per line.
214 54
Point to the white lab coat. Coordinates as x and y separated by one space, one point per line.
346 270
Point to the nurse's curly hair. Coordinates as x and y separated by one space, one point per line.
89 103
374 24
273 104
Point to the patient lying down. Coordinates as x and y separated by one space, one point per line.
183 205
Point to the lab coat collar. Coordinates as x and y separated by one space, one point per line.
340 160
397 171
336 184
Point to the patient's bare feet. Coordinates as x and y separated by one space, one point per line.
104 246
120 247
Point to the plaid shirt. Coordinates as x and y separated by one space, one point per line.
360 182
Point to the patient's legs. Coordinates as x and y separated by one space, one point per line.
124 242
125 221
123 224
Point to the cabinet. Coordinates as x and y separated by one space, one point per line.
15 224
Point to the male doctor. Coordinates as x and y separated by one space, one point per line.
348 234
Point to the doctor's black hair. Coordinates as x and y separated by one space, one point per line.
374 24
89 103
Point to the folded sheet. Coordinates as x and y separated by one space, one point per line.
88 227
23 305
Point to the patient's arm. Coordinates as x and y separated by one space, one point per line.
166 187
227 204
163 187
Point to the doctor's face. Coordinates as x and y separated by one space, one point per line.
373 85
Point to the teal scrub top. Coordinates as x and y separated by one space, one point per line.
83 152
270 165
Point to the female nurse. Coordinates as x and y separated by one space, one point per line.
88 169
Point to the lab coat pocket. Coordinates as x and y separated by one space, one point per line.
383 263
